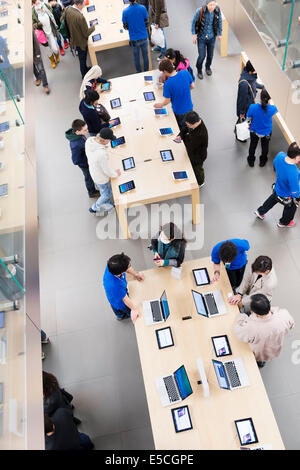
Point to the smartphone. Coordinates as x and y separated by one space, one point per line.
180 175
116 103
148 78
125 187
3 27
4 126
3 190
166 155
93 22
91 8
161 112
166 131
177 140
149 96
116 122
105 86
4 13
96 37
117 142
128 163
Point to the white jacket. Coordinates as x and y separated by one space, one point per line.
252 285
98 160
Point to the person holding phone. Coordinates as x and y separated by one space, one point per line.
94 115
100 170
169 246
92 81
115 286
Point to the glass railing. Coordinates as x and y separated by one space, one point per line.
278 23
12 223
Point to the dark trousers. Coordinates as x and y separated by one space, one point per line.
236 276
39 72
82 56
89 183
206 49
265 141
288 211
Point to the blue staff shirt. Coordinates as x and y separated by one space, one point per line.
261 121
287 182
241 258
135 16
178 89
115 288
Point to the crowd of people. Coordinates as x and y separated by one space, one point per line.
260 324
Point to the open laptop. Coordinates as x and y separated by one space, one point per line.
231 374
210 304
174 388
156 310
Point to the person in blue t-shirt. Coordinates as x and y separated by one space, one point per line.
115 285
136 20
261 115
233 254
177 91
287 187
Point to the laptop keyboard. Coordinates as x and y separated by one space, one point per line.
171 388
156 312
232 374
211 304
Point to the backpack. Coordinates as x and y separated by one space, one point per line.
64 29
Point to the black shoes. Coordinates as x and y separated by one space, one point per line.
250 162
209 72
200 75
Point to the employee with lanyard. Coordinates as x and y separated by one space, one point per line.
115 285
169 247
233 254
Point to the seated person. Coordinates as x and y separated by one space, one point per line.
261 279
88 109
92 81
169 246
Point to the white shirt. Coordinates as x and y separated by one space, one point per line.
45 20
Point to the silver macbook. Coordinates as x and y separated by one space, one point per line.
231 374
156 310
210 304
174 388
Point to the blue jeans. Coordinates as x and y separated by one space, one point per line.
124 313
143 46
106 198
206 49
85 442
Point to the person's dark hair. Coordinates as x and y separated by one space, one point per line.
48 424
78 124
166 66
78 2
174 54
293 150
118 264
91 96
192 117
50 384
260 304
228 252
264 99
172 232
249 67
262 264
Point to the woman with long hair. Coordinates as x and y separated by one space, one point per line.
169 246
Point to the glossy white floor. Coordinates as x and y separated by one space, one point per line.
94 356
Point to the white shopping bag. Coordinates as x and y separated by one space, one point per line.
242 130
157 36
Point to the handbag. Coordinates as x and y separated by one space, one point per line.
41 37
157 36
164 20
242 130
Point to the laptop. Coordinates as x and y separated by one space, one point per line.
156 310
174 388
231 374
210 304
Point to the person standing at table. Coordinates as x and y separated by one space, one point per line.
169 246
206 26
287 188
136 20
88 108
264 330
195 138
233 254
177 91
159 17
115 286
79 32
247 89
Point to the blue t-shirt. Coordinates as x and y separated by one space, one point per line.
287 182
261 121
178 88
135 16
115 288
241 258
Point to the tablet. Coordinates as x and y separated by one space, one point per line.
4 126
221 346
128 163
115 122
148 78
3 190
1 319
1 393
116 103
105 86
125 187
93 22
180 175
91 8
164 338
149 96
161 112
3 27
96 37
181 418
115 143
201 277
166 155
166 131
4 13
246 431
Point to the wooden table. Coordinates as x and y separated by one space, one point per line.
212 417
110 26
153 178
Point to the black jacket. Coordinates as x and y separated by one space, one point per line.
66 435
246 92
196 142
57 400
92 118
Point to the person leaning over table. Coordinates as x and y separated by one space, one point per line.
260 279
233 254
264 330
169 246
92 81
115 286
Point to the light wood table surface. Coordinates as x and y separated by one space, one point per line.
109 15
153 179
212 417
